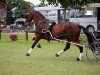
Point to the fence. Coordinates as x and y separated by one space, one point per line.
10 31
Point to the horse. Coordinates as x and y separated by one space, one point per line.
68 31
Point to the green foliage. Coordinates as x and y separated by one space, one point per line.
19 8
95 1
21 4
10 20
69 4
42 4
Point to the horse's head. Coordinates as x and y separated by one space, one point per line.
34 15
28 17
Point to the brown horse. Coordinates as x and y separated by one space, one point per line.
64 31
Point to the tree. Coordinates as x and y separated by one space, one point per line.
71 4
19 8
95 1
42 4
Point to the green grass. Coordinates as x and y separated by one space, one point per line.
42 61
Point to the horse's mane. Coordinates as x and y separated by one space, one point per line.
38 13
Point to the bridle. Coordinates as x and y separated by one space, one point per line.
40 23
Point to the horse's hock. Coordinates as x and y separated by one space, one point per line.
3 10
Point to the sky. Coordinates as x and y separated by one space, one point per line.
35 2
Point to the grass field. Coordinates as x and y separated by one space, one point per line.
42 61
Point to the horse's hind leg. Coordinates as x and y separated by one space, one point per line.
33 45
63 50
81 53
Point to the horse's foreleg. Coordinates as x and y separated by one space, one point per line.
63 50
81 53
33 45
37 45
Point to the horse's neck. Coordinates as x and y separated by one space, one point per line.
38 21
41 24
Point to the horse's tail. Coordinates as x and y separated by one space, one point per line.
88 34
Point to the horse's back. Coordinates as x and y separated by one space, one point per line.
66 27
58 28
68 30
74 27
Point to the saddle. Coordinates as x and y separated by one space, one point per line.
49 28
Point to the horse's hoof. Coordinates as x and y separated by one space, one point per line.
39 46
27 54
57 55
78 59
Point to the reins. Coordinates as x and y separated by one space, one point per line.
41 24
63 40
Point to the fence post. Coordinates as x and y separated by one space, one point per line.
59 17
0 29
26 34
